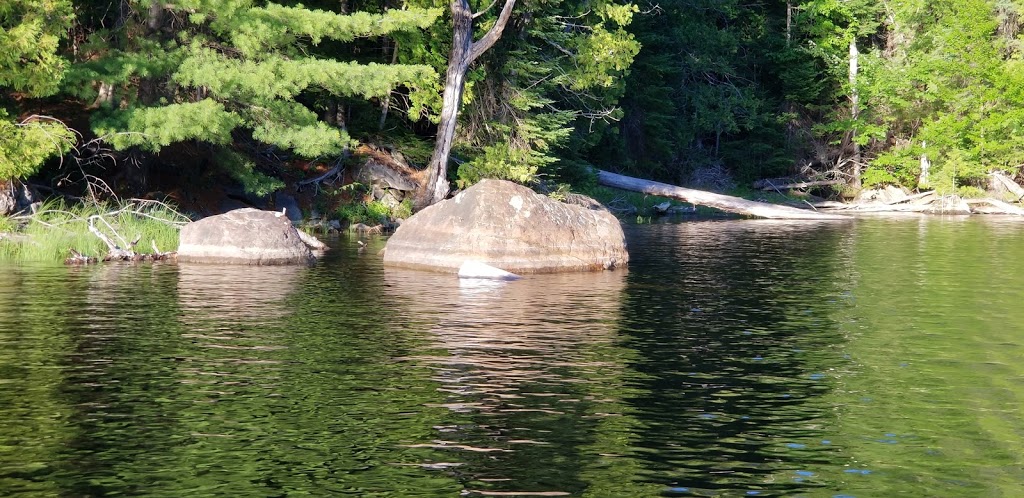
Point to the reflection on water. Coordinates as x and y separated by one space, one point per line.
931 402
733 358
734 342
236 293
529 372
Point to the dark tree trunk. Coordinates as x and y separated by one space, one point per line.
464 52
385 103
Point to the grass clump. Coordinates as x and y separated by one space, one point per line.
7 225
56 228
373 212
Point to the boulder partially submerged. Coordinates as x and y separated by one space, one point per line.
508 226
244 236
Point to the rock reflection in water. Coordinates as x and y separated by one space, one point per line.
515 360
734 358
501 341
242 293
233 316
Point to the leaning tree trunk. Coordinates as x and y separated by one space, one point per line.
464 52
436 187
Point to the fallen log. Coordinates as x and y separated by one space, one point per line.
887 208
718 201
831 205
1002 207
1008 184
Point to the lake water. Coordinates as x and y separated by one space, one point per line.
732 358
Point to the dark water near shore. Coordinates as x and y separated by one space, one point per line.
733 358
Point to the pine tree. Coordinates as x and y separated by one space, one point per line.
30 31
229 66
552 91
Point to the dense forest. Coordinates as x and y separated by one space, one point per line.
144 95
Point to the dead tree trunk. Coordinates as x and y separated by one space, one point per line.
717 201
464 52
855 112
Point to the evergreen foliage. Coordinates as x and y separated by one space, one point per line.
244 172
762 90
25 146
665 91
949 88
695 96
239 65
533 100
30 31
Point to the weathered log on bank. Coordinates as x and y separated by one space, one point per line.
998 207
718 201
115 252
78 258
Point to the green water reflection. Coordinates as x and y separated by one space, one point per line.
931 403
735 358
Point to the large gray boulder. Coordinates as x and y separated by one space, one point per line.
244 236
508 226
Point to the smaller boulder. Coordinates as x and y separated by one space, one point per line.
16 196
244 236
288 204
887 194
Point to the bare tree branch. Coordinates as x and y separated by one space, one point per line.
488 40
482 12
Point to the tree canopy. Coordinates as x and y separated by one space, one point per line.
685 91
31 66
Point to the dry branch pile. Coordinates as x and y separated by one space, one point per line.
119 248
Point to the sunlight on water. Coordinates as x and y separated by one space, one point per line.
738 358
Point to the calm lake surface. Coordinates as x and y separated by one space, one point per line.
733 358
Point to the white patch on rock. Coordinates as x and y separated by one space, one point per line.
477 269
458 198
516 202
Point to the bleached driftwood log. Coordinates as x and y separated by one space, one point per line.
718 201
1000 206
